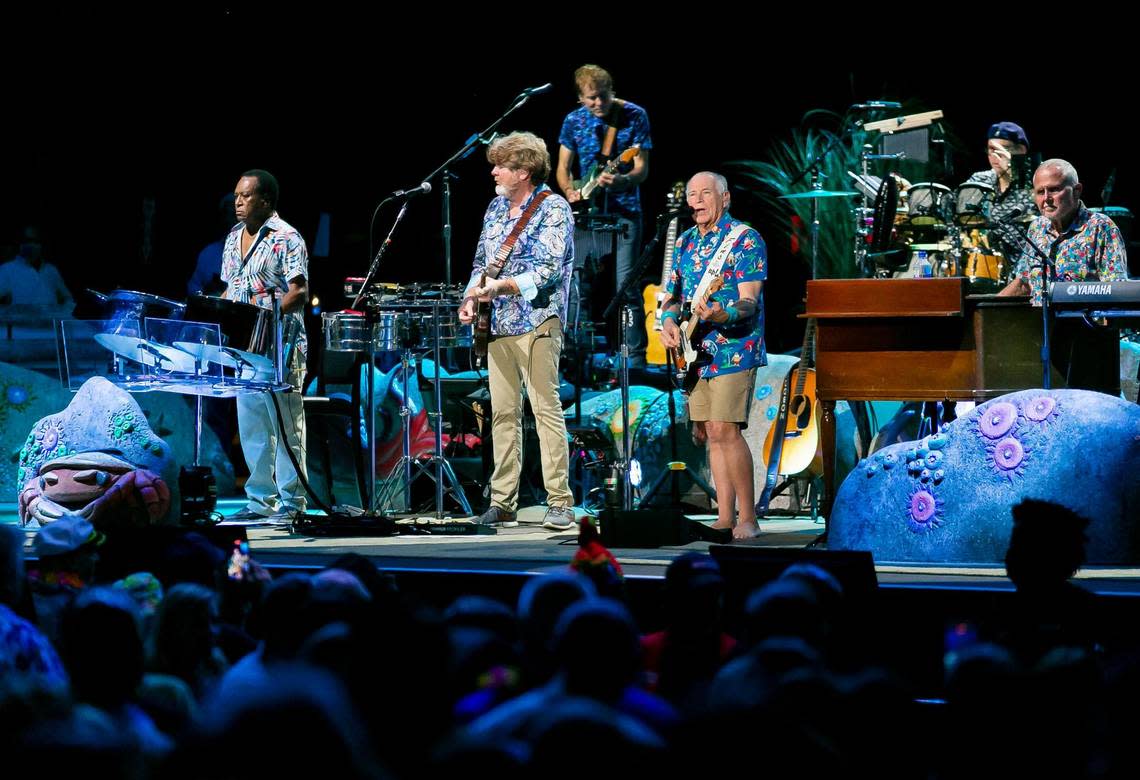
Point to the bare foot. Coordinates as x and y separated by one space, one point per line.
718 525
746 529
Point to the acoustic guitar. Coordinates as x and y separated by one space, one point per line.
793 446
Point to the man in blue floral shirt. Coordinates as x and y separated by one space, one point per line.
528 297
583 139
731 330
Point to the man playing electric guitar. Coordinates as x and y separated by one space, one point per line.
522 267
721 249
594 134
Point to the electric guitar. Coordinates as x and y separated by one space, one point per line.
588 184
690 358
793 445
655 294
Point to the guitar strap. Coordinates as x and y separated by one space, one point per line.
612 120
712 270
495 265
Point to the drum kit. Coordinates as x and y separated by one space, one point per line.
406 320
911 225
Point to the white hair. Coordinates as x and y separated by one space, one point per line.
1064 167
720 181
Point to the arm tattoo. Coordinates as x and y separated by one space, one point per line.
746 307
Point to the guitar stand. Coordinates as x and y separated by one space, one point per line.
813 488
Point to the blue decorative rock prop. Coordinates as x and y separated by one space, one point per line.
947 498
99 417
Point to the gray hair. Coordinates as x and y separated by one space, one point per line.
721 182
1068 172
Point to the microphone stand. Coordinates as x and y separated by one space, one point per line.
623 352
1048 277
485 137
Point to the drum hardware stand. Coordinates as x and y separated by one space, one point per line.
401 474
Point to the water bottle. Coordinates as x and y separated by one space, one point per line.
923 268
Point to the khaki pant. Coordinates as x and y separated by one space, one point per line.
529 360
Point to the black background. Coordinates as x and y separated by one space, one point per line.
345 107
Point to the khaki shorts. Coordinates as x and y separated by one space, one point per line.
723 398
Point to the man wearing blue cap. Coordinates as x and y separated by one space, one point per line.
1007 150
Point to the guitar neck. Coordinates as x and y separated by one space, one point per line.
670 247
807 356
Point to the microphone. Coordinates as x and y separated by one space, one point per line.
1013 214
423 189
537 90
872 104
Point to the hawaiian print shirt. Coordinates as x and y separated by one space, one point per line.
583 133
1092 248
739 346
278 255
541 263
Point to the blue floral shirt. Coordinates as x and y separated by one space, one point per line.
541 263
1092 248
583 133
278 256
739 346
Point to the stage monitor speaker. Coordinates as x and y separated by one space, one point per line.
746 567
666 527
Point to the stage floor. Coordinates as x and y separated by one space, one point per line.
530 548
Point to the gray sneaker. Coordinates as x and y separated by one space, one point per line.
497 516
559 518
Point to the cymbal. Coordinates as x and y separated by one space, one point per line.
227 356
812 194
147 352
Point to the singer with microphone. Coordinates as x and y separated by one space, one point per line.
594 134
725 256
523 264
264 256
